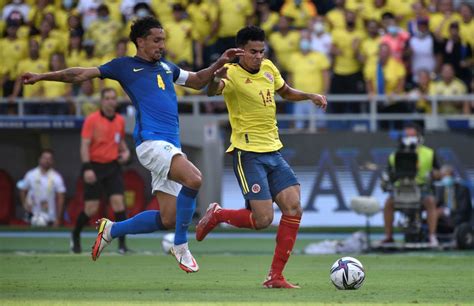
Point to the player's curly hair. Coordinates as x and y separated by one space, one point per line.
249 33
141 28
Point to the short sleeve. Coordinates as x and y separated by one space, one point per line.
59 184
87 128
25 183
279 81
178 73
111 70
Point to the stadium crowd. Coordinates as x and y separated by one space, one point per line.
402 48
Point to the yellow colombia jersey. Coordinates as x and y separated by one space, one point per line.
251 105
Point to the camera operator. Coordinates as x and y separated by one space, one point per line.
426 167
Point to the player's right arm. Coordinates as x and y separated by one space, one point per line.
69 75
216 85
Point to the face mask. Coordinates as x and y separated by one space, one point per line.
305 45
297 2
318 27
142 13
447 181
68 4
393 30
410 141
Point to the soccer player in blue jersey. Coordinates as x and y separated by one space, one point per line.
148 79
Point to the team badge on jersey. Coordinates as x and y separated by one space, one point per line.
256 188
269 76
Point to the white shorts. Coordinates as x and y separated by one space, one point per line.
156 156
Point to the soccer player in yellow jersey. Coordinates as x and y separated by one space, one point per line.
264 176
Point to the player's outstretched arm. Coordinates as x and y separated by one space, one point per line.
69 75
291 94
198 80
216 85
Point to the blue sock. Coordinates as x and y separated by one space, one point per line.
185 206
147 221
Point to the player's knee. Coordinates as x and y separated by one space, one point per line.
193 181
293 209
263 221
168 222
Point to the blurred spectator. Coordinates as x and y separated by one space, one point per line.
347 77
440 21
12 51
179 43
421 49
37 12
300 11
42 192
104 32
232 16
386 76
127 6
285 42
449 85
88 11
467 24
375 10
141 10
16 18
120 51
321 40
49 44
16 6
336 17
203 16
74 24
75 53
57 91
369 48
421 90
88 98
267 19
395 37
309 72
453 200
455 52
421 13
32 63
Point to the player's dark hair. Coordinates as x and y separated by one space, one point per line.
141 28
106 90
249 33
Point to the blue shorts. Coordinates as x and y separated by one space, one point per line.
262 176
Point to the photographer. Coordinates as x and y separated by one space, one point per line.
426 166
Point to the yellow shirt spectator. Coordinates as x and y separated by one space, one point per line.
369 49
164 9
346 62
37 66
270 23
437 19
179 44
301 14
455 88
75 57
35 16
105 34
393 72
307 71
12 52
48 46
284 46
202 16
56 90
467 32
233 16
402 8
375 13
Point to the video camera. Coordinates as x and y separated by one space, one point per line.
406 159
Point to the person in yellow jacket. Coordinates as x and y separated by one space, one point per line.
427 165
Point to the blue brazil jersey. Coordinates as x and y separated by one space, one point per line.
150 87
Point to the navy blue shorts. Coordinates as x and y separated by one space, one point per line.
262 176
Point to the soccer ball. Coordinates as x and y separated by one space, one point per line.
40 219
167 242
347 273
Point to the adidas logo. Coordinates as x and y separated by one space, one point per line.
248 81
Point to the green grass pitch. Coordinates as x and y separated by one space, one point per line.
40 271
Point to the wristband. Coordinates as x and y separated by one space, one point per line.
86 166
217 79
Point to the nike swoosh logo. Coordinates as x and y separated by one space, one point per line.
137 69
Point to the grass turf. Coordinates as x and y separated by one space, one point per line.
231 274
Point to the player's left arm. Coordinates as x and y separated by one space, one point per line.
291 94
198 80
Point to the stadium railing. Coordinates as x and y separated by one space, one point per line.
368 119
